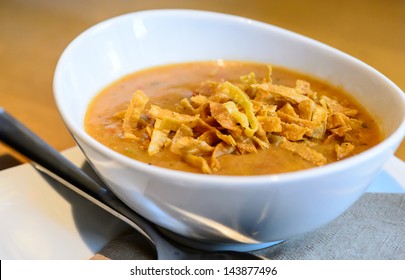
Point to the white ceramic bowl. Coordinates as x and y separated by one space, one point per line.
247 211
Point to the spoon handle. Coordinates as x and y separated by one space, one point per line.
17 136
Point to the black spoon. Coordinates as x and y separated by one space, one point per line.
17 136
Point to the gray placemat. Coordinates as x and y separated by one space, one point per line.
372 229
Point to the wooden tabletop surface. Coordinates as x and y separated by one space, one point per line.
33 35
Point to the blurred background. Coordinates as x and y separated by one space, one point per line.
33 34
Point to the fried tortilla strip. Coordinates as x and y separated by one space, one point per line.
296 120
213 136
262 134
174 123
265 109
203 127
292 131
182 132
248 79
242 99
263 144
228 139
335 107
341 130
306 109
210 137
355 123
220 113
190 145
133 114
171 120
160 113
131 136
185 107
247 82
262 96
339 124
244 144
257 106
270 124
336 120
315 128
304 87
191 150
304 151
197 161
246 147
281 92
238 116
288 109
344 150
320 117
220 150
331 139
209 120
219 98
200 102
207 89
269 71
158 140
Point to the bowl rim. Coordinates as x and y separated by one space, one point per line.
231 180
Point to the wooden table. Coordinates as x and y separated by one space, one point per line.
33 34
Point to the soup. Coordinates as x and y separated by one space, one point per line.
229 118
